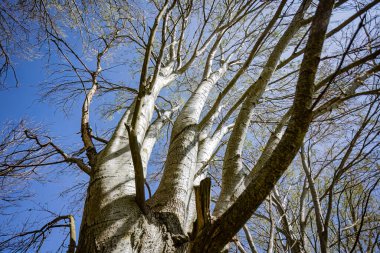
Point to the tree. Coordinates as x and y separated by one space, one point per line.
238 85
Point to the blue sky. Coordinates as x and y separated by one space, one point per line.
23 103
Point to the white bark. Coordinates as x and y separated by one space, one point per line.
249 239
293 244
110 209
174 192
317 205
192 110
349 91
152 136
233 173
206 151
272 226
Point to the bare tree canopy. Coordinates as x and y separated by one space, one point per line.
203 126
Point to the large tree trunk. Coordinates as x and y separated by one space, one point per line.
112 221
119 225
116 224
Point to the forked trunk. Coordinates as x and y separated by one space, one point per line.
112 222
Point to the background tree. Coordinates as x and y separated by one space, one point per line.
232 90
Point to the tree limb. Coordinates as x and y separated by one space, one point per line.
138 168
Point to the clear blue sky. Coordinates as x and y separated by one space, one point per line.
23 102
